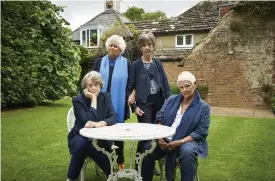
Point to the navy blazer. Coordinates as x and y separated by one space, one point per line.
84 112
139 80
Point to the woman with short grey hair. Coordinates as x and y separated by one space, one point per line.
92 109
148 78
114 69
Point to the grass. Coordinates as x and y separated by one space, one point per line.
34 147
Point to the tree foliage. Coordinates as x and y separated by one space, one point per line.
39 60
138 14
257 9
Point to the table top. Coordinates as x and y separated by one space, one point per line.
128 131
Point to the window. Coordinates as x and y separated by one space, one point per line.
89 38
185 41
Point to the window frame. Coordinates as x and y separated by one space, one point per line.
184 41
87 32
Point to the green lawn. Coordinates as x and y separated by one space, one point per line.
34 147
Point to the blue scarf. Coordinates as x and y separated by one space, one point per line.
189 122
118 83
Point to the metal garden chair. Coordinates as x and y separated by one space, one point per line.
70 125
161 163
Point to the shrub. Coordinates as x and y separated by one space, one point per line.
202 89
268 93
39 59
273 103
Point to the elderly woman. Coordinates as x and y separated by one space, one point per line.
92 109
190 116
148 78
114 69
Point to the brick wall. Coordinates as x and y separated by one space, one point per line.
233 64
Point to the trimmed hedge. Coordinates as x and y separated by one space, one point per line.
202 89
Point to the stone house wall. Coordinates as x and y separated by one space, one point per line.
234 60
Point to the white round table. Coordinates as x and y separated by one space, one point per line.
128 131
123 132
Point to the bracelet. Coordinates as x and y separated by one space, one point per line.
182 141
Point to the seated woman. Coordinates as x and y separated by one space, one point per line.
190 116
92 109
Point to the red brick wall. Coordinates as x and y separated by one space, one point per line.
234 80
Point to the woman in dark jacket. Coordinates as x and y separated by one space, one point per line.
92 109
114 69
148 78
190 116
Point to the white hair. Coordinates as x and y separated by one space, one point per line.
94 76
185 75
116 40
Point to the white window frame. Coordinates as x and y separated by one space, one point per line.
184 41
98 31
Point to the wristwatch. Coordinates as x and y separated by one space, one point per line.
182 141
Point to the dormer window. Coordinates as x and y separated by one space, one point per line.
185 41
90 38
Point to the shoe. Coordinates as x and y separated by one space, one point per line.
121 166
156 172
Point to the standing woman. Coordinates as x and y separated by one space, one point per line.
148 78
114 69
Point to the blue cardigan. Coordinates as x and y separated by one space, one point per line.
139 81
195 123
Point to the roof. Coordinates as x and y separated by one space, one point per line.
105 19
201 17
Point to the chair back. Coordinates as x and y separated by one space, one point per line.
70 119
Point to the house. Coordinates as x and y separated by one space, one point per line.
175 37
89 34
236 63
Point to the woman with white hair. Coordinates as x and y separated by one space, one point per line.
92 109
190 116
114 69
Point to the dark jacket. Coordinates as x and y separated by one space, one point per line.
84 112
195 123
139 80
96 67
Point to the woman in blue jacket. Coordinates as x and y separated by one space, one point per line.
92 109
190 116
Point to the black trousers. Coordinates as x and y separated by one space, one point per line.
120 151
150 108
80 147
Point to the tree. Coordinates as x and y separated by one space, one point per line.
39 59
138 14
158 15
134 13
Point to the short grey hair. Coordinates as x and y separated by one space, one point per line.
146 37
116 40
94 76
185 75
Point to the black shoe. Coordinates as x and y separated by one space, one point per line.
156 172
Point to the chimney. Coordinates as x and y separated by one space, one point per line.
224 8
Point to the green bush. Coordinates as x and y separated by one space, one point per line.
269 92
39 59
202 89
174 89
273 103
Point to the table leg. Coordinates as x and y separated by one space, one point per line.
112 158
140 156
